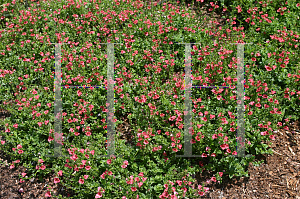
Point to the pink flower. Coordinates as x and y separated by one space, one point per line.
268 68
88 133
133 188
239 8
20 151
48 194
125 162
85 176
220 174
123 166
60 173
43 167
37 97
203 155
213 179
91 107
144 179
88 167
129 181
102 176
108 161
76 133
272 137
50 139
56 180
79 93
24 174
224 146
40 161
98 195
179 182
81 181
15 125
263 133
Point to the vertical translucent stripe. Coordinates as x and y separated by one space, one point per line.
187 103
110 100
240 102
57 103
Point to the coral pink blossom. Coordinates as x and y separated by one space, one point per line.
81 181
48 194
60 173
56 180
98 195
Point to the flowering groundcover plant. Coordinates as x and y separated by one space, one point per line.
149 89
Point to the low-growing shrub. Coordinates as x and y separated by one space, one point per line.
149 89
